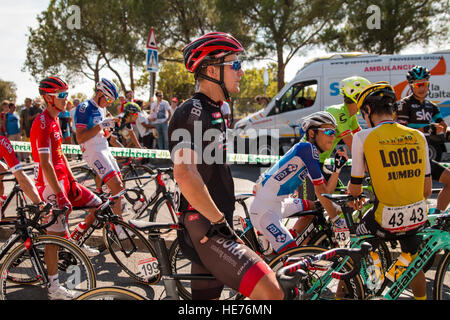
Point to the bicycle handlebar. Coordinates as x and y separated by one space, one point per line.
289 276
39 212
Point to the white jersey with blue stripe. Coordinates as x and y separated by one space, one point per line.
88 115
288 173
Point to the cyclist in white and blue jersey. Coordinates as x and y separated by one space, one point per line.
273 191
91 124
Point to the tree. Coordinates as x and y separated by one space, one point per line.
109 34
279 28
386 26
8 91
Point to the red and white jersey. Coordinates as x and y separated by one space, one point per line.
46 138
7 153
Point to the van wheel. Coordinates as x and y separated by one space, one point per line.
435 152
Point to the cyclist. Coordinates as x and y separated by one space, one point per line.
205 179
272 200
415 111
54 179
347 124
396 158
7 153
124 134
91 124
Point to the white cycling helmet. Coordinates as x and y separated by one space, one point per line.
317 119
108 88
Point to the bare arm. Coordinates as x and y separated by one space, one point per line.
327 204
84 134
27 186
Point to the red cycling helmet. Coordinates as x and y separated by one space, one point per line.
210 48
52 85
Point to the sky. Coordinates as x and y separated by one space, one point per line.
17 16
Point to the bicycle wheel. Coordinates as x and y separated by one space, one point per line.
441 290
110 293
86 177
139 176
75 271
181 265
133 254
163 212
352 289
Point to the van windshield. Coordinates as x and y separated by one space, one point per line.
301 95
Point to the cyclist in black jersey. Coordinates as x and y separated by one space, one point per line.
197 143
415 111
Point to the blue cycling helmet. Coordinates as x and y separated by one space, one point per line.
418 73
108 88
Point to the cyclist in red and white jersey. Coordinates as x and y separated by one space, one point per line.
8 155
54 179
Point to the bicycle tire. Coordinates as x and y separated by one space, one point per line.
441 288
354 286
86 177
179 264
134 255
110 293
75 270
163 212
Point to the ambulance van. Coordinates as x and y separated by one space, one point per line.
316 86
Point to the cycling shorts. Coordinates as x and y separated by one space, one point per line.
233 264
103 163
266 217
409 240
436 170
85 199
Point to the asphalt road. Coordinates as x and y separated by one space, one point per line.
110 274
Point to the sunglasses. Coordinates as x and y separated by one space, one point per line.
420 84
61 95
108 100
236 65
327 131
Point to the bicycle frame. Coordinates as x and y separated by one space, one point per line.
15 191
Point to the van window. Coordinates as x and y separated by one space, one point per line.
300 96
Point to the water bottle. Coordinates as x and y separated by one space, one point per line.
396 270
78 232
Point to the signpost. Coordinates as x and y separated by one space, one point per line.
152 60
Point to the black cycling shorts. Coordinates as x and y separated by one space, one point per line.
233 264
409 241
436 170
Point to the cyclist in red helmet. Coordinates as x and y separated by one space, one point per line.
205 180
54 179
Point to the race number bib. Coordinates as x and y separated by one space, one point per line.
404 218
148 268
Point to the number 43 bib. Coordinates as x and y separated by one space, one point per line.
404 218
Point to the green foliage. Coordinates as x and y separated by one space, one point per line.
401 23
8 91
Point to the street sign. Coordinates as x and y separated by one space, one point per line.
151 42
152 60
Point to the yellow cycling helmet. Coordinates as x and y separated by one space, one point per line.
375 92
352 86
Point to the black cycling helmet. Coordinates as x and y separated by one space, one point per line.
418 73
377 95
210 48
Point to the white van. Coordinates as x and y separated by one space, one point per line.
316 86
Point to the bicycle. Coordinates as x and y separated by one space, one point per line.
24 264
16 193
132 252
436 238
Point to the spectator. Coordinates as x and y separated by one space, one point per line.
160 114
122 101
262 100
25 123
36 109
174 104
226 113
65 122
129 95
4 111
12 125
